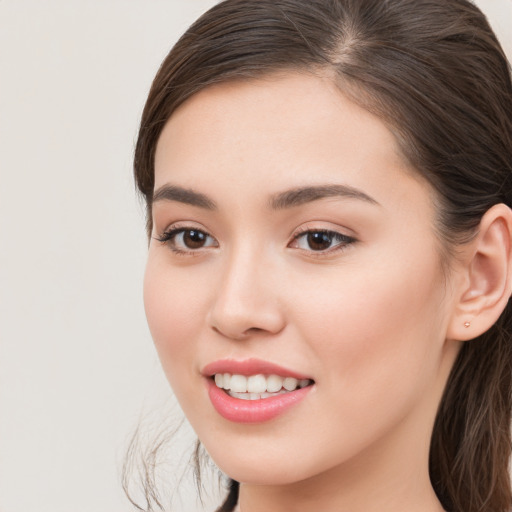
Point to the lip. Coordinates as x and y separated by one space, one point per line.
249 367
251 411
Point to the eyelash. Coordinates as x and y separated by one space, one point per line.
342 241
169 236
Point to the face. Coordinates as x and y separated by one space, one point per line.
293 248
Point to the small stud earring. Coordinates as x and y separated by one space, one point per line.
467 324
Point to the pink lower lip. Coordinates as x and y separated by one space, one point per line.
253 411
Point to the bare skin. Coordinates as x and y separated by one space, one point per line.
368 314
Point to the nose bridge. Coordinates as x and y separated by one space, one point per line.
245 300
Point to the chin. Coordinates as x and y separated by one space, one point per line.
263 474
259 468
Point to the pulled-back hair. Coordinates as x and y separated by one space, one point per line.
434 73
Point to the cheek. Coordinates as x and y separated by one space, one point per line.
173 306
377 329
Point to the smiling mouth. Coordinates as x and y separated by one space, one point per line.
258 387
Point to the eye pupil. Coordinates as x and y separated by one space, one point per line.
194 239
319 241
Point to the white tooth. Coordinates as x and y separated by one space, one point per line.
274 383
219 380
226 381
255 396
290 383
240 396
238 384
303 383
256 384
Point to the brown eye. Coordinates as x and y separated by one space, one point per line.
183 240
319 241
194 239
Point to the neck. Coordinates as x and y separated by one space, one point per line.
349 490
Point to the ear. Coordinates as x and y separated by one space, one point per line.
486 281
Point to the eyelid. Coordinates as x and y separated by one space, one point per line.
340 240
326 226
168 236
336 232
181 224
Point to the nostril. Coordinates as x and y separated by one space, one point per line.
232 335
254 330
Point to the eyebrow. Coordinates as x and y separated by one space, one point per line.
302 195
184 195
283 200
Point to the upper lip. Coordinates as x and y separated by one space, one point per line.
249 367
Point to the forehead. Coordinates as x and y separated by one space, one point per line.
274 133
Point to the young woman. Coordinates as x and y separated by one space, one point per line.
328 186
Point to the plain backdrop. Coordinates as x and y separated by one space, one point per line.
77 368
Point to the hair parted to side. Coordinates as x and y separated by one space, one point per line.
434 72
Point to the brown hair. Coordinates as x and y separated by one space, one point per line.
434 72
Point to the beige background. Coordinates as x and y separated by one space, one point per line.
77 368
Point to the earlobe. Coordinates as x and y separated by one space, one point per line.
487 282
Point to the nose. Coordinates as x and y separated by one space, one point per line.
246 299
